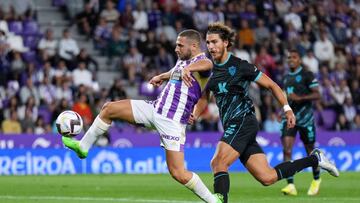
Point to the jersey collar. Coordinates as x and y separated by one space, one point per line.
221 64
296 72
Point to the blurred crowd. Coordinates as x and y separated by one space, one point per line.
40 75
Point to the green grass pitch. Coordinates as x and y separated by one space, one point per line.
162 189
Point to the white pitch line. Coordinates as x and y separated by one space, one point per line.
103 199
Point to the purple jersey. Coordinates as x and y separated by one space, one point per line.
176 101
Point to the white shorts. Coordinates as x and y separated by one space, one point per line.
172 133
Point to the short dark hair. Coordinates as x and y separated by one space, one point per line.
225 32
191 34
295 51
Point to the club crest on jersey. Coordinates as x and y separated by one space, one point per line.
232 70
298 78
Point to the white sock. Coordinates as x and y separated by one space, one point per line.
97 128
196 185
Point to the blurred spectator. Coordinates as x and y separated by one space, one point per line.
63 104
13 104
47 91
271 124
27 124
339 32
141 22
282 7
82 107
310 61
102 34
63 90
41 127
117 45
68 49
154 16
110 14
163 61
48 46
249 13
210 117
86 20
117 91
29 90
339 73
246 34
62 71
201 17
73 7
354 47
304 45
340 93
243 54
82 76
339 58
149 47
17 64
91 64
30 72
262 33
133 64
47 71
29 108
166 31
265 62
323 48
349 110
342 124
293 18
126 17
356 124
216 15
11 125
267 107
355 92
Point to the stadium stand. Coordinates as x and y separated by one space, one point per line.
124 43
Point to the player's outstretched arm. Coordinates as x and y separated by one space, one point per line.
159 79
199 107
199 66
269 84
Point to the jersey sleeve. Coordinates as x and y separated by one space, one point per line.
251 72
312 82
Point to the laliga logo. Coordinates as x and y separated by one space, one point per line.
41 142
106 162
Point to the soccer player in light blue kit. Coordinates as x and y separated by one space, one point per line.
169 114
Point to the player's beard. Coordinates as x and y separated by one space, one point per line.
186 56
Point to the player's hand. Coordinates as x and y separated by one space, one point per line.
294 97
156 81
186 77
290 119
192 119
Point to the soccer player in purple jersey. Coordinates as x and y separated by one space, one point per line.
230 81
168 114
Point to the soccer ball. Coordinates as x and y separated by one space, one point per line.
69 123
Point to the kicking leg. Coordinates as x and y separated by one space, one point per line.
119 110
175 163
224 156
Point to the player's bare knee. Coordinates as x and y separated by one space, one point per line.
178 175
105 112
218 164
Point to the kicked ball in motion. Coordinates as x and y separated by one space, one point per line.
69 123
